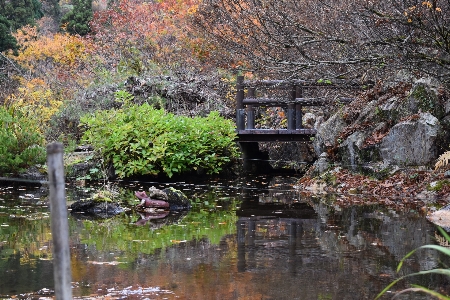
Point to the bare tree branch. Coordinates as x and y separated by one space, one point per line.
11 63
332 38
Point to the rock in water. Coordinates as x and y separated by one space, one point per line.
96 209
169 199
155 193
177 199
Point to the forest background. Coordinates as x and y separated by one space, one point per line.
61 60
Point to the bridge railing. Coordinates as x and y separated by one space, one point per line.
247 102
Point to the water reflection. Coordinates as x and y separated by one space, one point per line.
251 238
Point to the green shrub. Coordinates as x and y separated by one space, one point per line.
21 144
77 20
141 140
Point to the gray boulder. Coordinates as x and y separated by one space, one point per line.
403 124
328 132
412 142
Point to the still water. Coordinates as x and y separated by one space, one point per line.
249 238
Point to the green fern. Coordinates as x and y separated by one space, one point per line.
442 160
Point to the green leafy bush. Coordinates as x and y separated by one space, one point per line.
21 144
141 140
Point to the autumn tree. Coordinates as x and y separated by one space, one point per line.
330 38
152 38
56 68
8 77
284 36
133 35
416 34
13 15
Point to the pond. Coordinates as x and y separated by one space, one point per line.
246 238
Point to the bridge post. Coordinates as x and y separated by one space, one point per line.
251 110
240 113
291 116
298 108
291 110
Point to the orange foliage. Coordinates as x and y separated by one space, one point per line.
425 14
159 31
36 100
129 35
60 60
62 48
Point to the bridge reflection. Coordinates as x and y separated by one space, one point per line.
273 221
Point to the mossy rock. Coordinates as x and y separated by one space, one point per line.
103 196
177 199
155 193
425 100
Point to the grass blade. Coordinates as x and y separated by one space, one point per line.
418 288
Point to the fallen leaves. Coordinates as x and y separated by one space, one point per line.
399 189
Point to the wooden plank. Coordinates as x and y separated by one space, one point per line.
287 101
273 83
258 131
303 131
265 101
286 84
273 138
275 135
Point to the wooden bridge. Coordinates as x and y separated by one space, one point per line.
294 103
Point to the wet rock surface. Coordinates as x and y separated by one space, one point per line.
95 209
102 206
177 199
